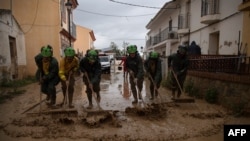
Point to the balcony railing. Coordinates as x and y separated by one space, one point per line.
220 63
167 33
209 7
184 21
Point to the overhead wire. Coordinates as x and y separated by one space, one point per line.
33 22
113 15
135 4
142 5
118 39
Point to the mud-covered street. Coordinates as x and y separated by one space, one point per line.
118 119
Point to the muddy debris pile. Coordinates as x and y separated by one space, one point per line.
153 110
95 119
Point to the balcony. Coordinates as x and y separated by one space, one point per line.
183 24
210 11
166 34
245 6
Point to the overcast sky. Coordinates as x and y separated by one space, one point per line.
117 21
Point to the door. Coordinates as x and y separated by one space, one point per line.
214 43
13 56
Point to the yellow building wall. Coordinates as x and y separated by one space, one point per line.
41 24
246 32
245 8
84 40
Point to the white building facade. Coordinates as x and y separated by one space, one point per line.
215 25
12 46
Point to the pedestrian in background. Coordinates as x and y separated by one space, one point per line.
178 65
153 70
48 74
123 62
90 66
134 67
194 49
67 69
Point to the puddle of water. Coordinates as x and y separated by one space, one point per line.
115 92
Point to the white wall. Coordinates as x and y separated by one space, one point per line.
231 21
9 28
228 27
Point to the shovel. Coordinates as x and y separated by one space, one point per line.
66 98
177 81
187 100
40 105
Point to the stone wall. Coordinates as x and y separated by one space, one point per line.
232 95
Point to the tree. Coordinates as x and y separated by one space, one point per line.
115 49
124 45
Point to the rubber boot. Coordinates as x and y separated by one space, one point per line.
90 101
173 94
47 99
178 94
152 94
63 101
53 101
135 101
156 93
70 100
98 97
152 97
139 95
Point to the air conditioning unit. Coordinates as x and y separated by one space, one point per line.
171 35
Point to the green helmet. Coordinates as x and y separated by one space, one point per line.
92 54
153 55
46 51
69 52
132 49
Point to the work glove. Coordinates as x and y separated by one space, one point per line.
42 79
135 80
85 74
170 68
90 86
178 73
156 89
75 69
131 72
63 78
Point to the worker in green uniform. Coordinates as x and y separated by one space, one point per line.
134 66
153 70
48 74
90 66
178 65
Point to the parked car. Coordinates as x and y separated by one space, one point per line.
105 63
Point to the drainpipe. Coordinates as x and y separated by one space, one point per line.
239 47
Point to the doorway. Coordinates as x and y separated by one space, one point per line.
214 43
13 57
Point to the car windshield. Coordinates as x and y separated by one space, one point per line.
104 59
